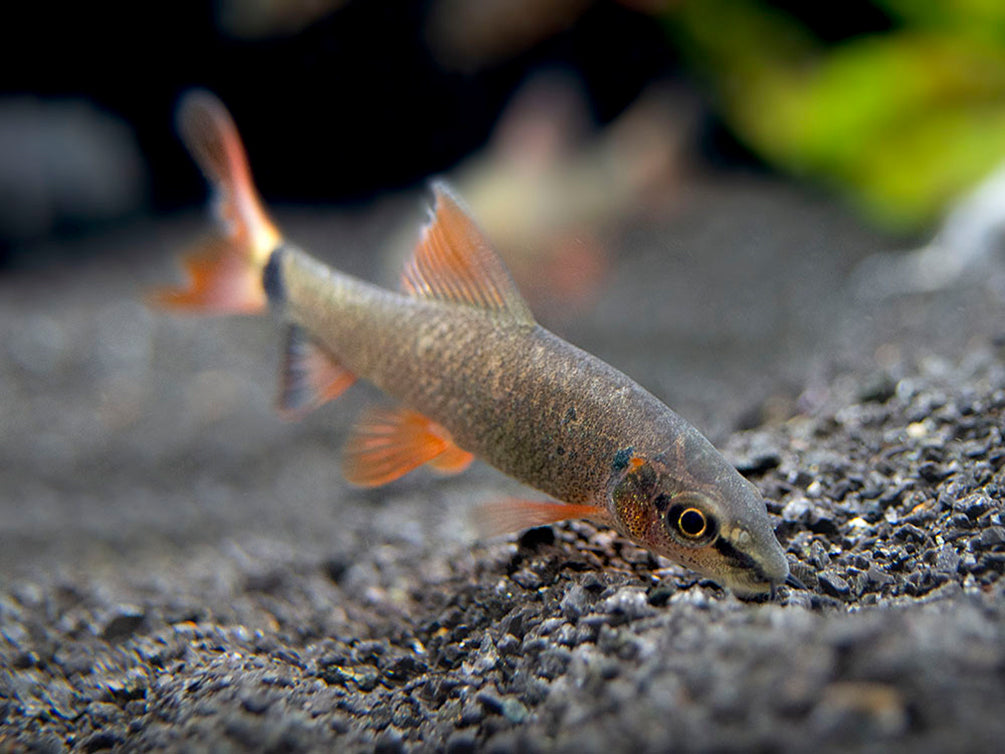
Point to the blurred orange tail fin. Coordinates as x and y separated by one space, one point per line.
225 270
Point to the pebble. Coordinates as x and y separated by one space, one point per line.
574 603
389 742
527 579
123 622
403 669
818 556
910 533
629 602
796 510
878 577
513 710
947 559
491 702
256 703
473 714
101 740
833 584
552 662
462 742
660 594
992 537
508 644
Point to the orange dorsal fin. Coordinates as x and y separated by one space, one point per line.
310 375
224 271
514 515
386 444
454 262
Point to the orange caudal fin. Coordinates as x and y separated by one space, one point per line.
507 516
388 443
224 271
220 280
310 375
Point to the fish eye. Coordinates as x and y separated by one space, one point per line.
690 525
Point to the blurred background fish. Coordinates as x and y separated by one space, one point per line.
254 19
554 190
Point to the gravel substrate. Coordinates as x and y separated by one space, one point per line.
184 573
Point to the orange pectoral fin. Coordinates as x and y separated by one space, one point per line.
514 515
388 443
310 376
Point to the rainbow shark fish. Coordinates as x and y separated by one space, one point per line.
474 376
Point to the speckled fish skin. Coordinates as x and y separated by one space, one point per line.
542 411
476 376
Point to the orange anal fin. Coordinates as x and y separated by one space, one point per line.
221 280
388 443
310 375
514 515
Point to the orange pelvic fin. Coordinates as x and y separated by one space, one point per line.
310 375
388 443
453 460
454 262
513 515
225 271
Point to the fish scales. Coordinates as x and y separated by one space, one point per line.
503 389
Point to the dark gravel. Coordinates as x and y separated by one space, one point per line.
183 572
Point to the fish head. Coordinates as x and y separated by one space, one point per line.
713 523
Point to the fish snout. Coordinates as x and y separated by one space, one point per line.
775 568
759 572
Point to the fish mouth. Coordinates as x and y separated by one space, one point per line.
753 584
750 586
747 577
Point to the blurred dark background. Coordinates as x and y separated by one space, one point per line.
340 100
351 105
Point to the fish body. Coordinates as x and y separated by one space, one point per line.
475 376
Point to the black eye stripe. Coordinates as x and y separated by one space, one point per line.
737 558
662 502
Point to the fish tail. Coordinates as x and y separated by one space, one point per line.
225 270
